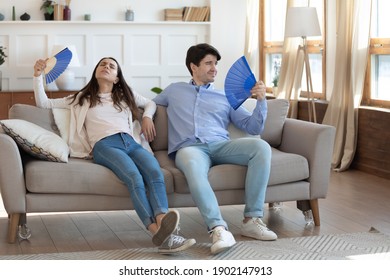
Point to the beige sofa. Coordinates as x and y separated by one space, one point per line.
300 171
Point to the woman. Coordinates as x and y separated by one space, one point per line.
104 125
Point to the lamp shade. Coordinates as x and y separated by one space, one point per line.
75 62
302 22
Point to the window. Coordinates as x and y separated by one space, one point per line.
272 22
377 86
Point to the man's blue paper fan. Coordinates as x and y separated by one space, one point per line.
238 82
57 64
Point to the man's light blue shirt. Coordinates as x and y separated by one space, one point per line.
201 114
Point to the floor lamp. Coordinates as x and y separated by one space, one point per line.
303 22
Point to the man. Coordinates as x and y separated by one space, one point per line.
198 117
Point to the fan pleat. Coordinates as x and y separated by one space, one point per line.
59 61
238 82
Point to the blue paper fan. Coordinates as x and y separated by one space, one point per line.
238 82
57 64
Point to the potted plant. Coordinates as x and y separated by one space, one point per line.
2 60
2 55
48 9
275 82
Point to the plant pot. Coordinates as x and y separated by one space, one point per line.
275 91
49 16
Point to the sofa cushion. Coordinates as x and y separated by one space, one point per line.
36 140
78 176
285 168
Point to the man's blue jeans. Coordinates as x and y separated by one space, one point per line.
195 161
139 170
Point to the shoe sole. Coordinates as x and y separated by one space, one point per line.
261 238
168 225
189 243
222 249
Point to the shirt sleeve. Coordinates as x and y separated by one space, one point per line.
43 101
147 104
252 123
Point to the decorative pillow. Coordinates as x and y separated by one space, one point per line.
277 113
36 140
62 120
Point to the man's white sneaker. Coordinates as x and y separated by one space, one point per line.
255 228
222 240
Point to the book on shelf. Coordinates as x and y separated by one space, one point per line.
196 13
174 14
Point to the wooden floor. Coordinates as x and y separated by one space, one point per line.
356 202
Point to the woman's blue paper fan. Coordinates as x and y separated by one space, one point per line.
57 64
238 82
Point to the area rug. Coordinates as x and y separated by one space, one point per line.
363 245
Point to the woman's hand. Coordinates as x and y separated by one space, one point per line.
148 129
39 67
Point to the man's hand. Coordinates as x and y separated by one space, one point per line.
259 90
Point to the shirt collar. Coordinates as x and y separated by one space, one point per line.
207 86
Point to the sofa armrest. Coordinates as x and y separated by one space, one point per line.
12 184
314 142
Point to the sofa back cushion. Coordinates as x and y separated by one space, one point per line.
39 116
272 133
277 113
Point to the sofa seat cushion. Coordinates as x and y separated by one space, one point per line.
78 176
285 168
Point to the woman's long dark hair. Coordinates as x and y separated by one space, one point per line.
121 92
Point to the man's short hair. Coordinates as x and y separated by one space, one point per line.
196 53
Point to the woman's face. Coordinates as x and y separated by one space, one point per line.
107 70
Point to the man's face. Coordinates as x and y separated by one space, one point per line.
206 71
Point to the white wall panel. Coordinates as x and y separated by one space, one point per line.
150 54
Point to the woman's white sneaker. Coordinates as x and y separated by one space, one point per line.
222 240
255 228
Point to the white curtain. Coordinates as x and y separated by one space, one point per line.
353 37
252 35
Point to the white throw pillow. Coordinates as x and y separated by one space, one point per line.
36 140
62 120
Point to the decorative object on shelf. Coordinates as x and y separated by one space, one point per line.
25 16
48 9
173 14
67 13
87 17
58 12
238 82
2 60
303 22
129 15
1 17
57 64
13 13
66 81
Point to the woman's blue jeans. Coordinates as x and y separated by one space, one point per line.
140 172
195 161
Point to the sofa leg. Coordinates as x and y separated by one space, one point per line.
316 211
13 225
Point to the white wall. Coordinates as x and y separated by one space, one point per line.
227 29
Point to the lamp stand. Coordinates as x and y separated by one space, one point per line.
309 84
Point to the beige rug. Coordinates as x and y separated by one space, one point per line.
363 245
